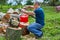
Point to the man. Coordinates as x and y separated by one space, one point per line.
35 28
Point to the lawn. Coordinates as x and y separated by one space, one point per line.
52 23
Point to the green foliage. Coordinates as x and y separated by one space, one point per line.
29 2
3 1
18 1
58 3
53 2
6 7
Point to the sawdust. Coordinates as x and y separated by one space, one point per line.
28 37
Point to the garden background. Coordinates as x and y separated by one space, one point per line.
52 17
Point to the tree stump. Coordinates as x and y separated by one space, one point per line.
13 34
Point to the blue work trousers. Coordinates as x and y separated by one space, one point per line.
35 28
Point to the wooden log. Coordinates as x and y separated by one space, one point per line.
24 29
1 30
13 34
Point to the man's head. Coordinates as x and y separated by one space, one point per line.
36 5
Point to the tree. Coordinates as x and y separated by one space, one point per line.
18 1
3 1
53 2
29 2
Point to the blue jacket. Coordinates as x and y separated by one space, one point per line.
39 16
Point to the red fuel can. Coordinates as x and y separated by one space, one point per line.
24 18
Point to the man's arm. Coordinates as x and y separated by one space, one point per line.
27 12
29 7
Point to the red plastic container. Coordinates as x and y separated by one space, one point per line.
24 18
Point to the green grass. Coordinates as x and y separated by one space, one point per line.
2 38
52 23
52 28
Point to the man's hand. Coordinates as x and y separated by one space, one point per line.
24 24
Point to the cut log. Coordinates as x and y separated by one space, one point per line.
24 28
25 31
13 34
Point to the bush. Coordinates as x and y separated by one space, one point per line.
29 2
57 3
53 2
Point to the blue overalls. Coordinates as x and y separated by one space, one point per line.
35 28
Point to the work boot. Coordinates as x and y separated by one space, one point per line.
38 37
